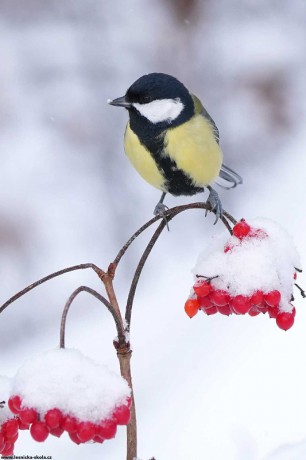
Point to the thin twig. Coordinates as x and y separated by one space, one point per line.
47 278
128 311
120 331
130 241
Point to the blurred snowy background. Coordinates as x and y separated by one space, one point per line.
217 388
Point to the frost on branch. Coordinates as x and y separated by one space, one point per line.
252 272
62 390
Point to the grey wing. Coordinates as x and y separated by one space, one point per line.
231 178
212 123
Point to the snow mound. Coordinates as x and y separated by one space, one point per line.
71 382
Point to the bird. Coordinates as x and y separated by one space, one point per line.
172 141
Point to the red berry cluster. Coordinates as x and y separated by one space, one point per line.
8 436
212 301
55 422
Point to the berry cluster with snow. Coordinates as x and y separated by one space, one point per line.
251 272
62 390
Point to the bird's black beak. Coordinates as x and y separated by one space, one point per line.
120 102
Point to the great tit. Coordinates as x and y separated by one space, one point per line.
172 141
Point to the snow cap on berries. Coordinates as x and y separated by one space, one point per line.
258 261
67 380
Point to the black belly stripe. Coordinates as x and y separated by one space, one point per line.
176 181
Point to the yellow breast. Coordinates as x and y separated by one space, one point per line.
141 159
194 149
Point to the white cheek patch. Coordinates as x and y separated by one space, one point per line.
160 110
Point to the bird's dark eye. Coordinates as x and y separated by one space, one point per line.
146 99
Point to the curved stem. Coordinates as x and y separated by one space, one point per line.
129 305
47 278
102 299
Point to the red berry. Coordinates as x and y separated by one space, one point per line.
69 424
262 308
219 297
97 438
257 298
202 288
294 275
14 404
74 438
273 312
85 431
8 449
272 298
192 307
28 415
53 418
23 426
2 441
39 431
10 427
13 439
240 304
107 429
254 311
204 302
57 431
212 310
285 320
122 415
241 229
225 310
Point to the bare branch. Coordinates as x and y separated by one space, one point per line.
47 278
102 299
129 305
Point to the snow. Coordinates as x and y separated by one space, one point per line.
5 387
67 380
259 262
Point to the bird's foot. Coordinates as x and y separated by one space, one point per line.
160 210
215 203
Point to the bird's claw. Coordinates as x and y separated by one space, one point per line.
160 210
215 204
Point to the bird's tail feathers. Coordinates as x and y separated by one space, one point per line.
231 178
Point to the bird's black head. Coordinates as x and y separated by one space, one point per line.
158 99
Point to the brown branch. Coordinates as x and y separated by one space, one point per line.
124 356
130 300
107 280
47 278
120 331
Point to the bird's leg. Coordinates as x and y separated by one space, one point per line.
215 203
160 209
